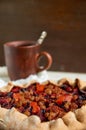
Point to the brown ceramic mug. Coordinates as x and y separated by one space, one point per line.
22 58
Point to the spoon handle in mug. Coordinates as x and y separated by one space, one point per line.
42 37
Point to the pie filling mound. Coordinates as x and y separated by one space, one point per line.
48 101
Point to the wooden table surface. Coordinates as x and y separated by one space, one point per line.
64 21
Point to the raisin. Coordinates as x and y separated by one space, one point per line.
10 94
43 111
67 87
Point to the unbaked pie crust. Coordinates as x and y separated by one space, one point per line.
11 119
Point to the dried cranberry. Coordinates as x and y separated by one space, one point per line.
15 89
76 90
3 94
21 109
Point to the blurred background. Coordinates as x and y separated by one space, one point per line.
64 21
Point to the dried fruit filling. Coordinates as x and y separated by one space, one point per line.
46 101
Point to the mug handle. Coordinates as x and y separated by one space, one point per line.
49 61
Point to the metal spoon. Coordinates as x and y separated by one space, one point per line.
42 37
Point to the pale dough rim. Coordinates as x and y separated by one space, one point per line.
11 119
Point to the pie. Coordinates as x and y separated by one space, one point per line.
46 106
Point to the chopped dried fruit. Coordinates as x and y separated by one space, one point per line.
64 98
35 107
17 96
46 101
40 88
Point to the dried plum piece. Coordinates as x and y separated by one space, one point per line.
21 109
41 115
3 94
67 87
26 106
83 91
31 87
15 89
4 100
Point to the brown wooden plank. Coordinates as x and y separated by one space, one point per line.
64 21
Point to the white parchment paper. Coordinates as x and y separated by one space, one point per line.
40 77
